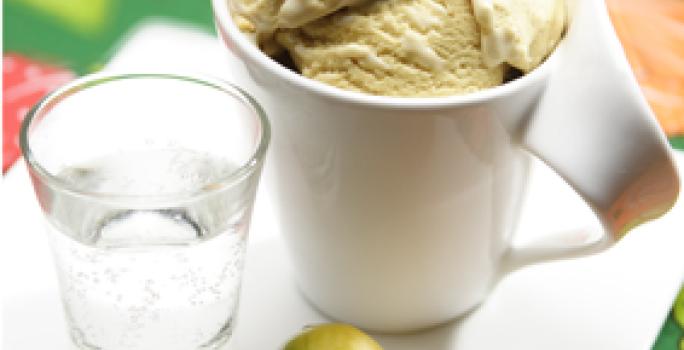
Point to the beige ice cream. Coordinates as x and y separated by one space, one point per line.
519 32
406 47
261 18
395 48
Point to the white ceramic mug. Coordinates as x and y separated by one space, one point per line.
398 212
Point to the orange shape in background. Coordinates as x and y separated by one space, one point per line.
652 34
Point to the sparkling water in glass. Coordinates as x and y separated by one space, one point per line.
147 182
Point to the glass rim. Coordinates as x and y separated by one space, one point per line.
228 180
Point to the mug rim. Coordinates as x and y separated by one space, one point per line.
239 42
229 180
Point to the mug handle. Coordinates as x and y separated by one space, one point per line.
595 129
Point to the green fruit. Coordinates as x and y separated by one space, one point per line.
332 336
678 309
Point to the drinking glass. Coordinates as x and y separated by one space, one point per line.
147 182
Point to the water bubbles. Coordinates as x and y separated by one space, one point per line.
187 291
152 279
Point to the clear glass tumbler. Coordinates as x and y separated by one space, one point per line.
147 182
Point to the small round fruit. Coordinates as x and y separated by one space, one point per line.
332 336
678 309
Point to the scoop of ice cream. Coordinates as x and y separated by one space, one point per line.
395 48
261 18
257 19
295 13
519 32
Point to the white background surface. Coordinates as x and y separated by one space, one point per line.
617 299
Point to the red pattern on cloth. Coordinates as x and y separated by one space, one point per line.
24 82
